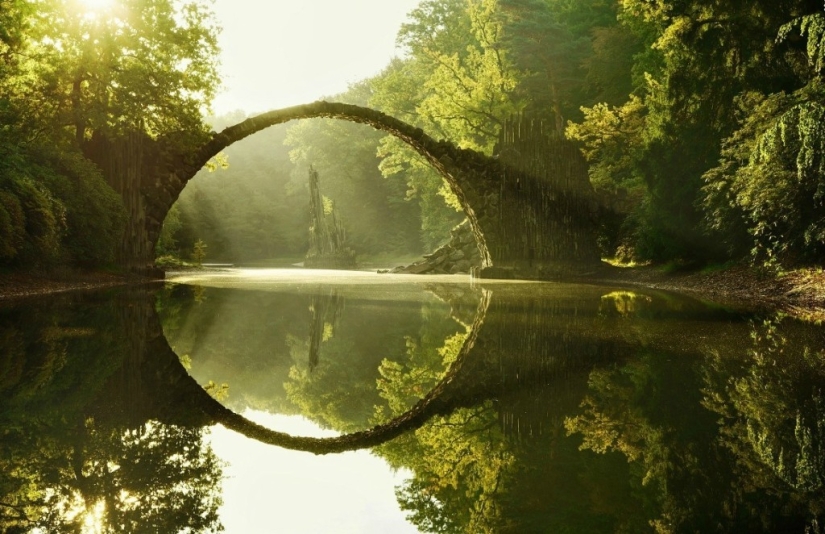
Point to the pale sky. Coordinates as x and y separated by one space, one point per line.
278 53
269 489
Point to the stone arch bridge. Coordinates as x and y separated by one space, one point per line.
533 215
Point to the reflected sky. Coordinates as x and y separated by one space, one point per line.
268 489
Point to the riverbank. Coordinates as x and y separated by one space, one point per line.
15 285
800 293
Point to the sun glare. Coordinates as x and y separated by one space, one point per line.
94 10
96 5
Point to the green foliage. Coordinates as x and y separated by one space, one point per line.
258 218
814 26
167 244
771 179
374 210
701 58
438 206
136 64
171 262
462 82
611 139
12 225
31 220
68 73
549 55
457 83
94 213
199 252
770 182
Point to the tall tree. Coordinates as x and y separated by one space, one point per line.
132 64
549 54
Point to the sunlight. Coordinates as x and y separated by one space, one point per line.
96 5
93 9
93 522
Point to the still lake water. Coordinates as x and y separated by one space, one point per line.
502 407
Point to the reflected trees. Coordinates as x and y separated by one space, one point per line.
682 426
459 460
726 441
335 371
159 478
772 415
71 455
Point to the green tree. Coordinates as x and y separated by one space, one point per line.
456 83
467 82
134 64
550 56
699 59
259 217
770 182
71 73
168 240
374 210
199 252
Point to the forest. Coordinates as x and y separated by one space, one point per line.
703 124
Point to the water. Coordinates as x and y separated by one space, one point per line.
494 407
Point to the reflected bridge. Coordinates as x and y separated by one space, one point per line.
513 344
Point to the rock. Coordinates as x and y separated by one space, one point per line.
459 255
463 266
420 267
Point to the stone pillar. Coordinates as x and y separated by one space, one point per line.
122 162
539 218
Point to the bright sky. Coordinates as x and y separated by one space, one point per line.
278 53
269 489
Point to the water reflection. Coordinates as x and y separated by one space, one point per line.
76 452
535 407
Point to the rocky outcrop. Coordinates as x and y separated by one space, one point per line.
459 255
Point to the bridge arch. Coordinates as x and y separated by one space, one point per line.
452 163
532 211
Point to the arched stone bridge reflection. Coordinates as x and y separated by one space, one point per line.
516 342
530 221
